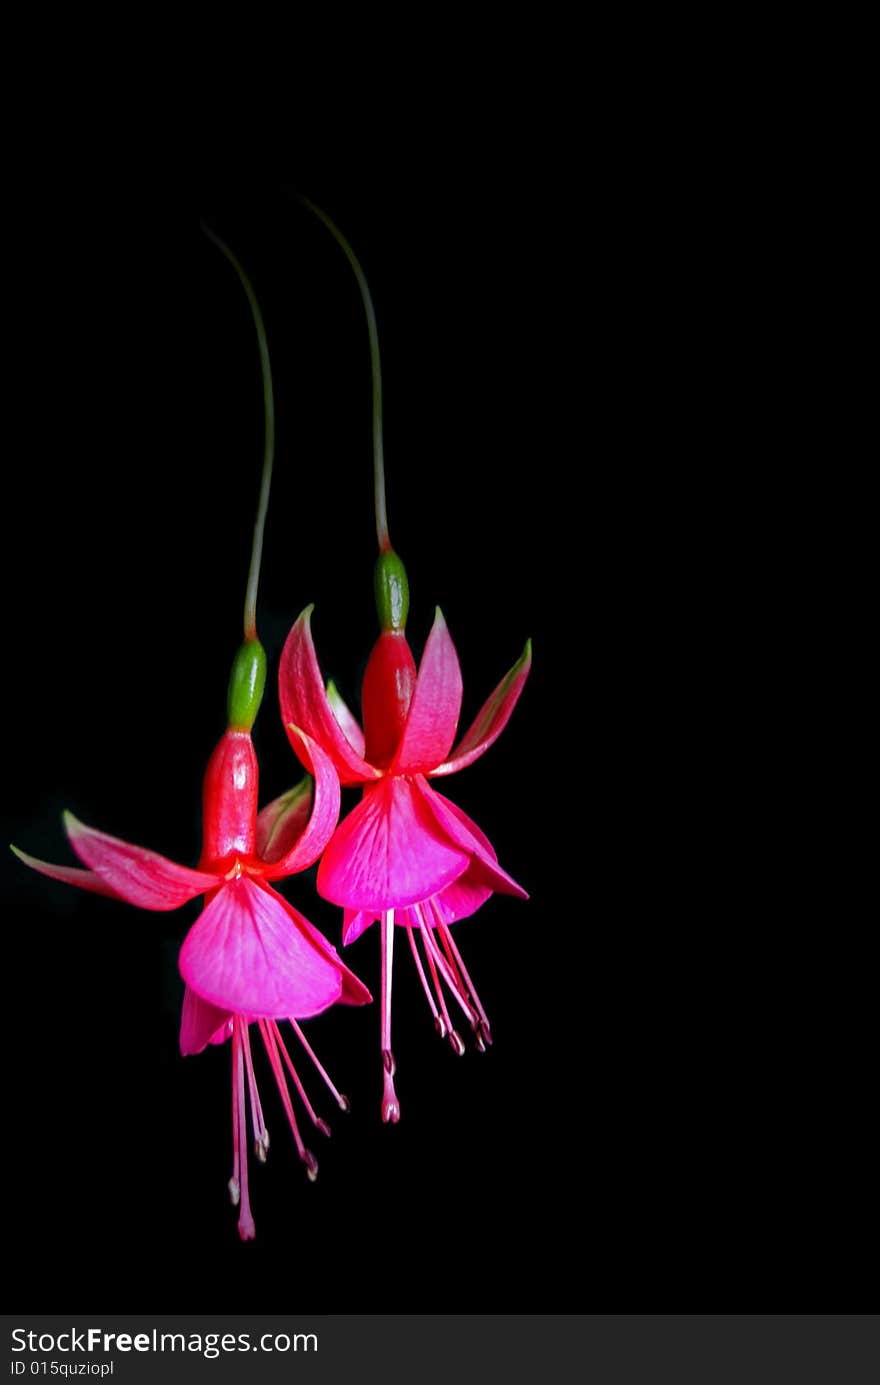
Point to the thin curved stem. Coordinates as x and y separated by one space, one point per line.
250 601
378 452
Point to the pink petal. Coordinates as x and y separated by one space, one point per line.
69 875
304 703
246 953
355 922
491 719
348 723
458 900
466 894
389 851
325 810
201 1024
282 822
433 713
138 876
354 992
459 828
463 897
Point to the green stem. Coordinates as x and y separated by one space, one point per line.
378 453
250 601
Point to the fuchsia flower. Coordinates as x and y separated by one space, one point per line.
250 957
405 854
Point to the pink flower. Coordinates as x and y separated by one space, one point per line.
250 957
405 854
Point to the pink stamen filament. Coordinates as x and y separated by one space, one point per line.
341 1101
449 1029
246 1228
261 1134
444 969
454 953
475 1022
288 1061
439 1023
305 1155
390 1104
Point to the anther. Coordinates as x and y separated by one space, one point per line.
343 1102
234 1191
323 1127
478 1041
456 1042
311 1164
440 1026
486 1033
261 1145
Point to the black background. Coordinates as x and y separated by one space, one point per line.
654 1115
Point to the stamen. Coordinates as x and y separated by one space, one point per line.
390 1104
448 1028
443 966
261 1134
246 1228
439 1022
483 1026
342 1101
305 1155
316 1120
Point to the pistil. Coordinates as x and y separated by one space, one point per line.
390 1104
246 1228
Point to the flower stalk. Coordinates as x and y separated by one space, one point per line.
376 364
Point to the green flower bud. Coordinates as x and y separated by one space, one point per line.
246 684
392 591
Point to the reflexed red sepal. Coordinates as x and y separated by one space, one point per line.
138 876
304 703
491 719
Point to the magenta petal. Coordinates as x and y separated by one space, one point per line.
389 851
325 810
454 902
138 876
355 922
247 954
201 1024
68 875
354 992
304 703
491 719
463 897
433 714
458 900
484 864
282 822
